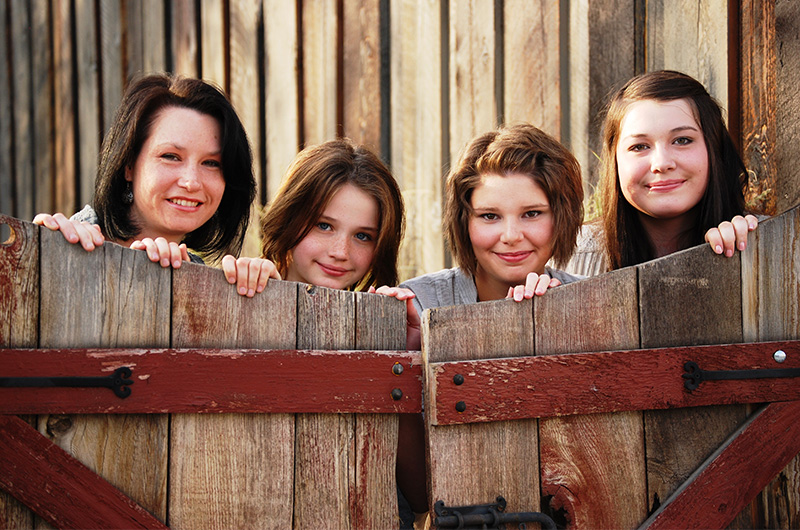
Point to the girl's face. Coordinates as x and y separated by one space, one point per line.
662 159
339 249
177 177
511 230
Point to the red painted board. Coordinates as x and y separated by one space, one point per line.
714 495
589 383
58 487
215 380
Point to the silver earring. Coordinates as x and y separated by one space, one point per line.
127 195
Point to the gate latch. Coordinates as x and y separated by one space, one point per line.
695 375
118 382
489 516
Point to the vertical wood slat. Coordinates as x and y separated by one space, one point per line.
281 112
473 100
64 109
474 463
112 59
21 85
212 37
231 470
92 302
19 319
678 440
185 58
88 89
6 123
787 95
531 48
42 119
593 491
416 138
146 38
771 281
361 70
320 26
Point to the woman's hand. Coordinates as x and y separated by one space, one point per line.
249 274
535 284
159 250
413 335
88 235
731 235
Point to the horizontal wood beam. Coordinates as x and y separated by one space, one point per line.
217 381
59 488
714 495
589 383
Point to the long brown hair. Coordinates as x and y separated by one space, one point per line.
311 180
627 242
515 149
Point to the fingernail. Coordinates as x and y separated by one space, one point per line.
517 296
528 293
718 249
260 288
243 290
250 292
742 245
176 263
165 262
729 253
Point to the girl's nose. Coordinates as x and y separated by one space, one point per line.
511 232
339 248
661 160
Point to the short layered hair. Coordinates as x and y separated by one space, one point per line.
515 149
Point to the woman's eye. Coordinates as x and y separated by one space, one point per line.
489 216
361 236
683 140
533 213
213 163
323 226
637 147
170 156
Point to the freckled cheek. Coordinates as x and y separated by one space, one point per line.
362 258
482 238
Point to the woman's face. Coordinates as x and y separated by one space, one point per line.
662 160
511 230
177 177
339 250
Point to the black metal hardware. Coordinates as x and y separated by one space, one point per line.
458 379
397 369
461 406
118 382
397 394
489 516
694 375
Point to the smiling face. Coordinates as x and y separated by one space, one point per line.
662 159
511 231
177 176
339 249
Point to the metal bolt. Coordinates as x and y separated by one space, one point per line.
779 356
458 379
397 394
461 406
397 369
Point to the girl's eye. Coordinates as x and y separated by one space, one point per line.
170 156
489 216
683 140
532 213
361 236
637 147
323 226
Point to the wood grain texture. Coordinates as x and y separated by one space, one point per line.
282 113
473 99
675 447
787 95
42 117
532 84
111 57
770 283
19 321
6 122
212 37
593 491
185 58
146 40
88 91
20 18
325 443
64 116
361 70
417 130
320 26
231 470
58 487
473 464
111 297
710 499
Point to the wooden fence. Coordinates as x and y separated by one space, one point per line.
415 79
618 437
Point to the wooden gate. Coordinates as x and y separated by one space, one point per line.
240 416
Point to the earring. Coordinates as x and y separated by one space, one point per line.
127 195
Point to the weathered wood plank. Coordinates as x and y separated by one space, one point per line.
6 122
111 58
88 91
321 63
19 321
282 113
787 95
594 492
531 59
361 70
59 488
89 301
64 109
146 39
42 119
24 178
212 37
418 138
675 444
771 309
589 383
185 58
325 443
711 498
231 470
498 458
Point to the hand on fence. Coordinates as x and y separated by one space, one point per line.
87 234
249 274
731 235
159 250
413 336
535 284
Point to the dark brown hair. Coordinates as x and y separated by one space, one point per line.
627 242
222 234
515 149
311 180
